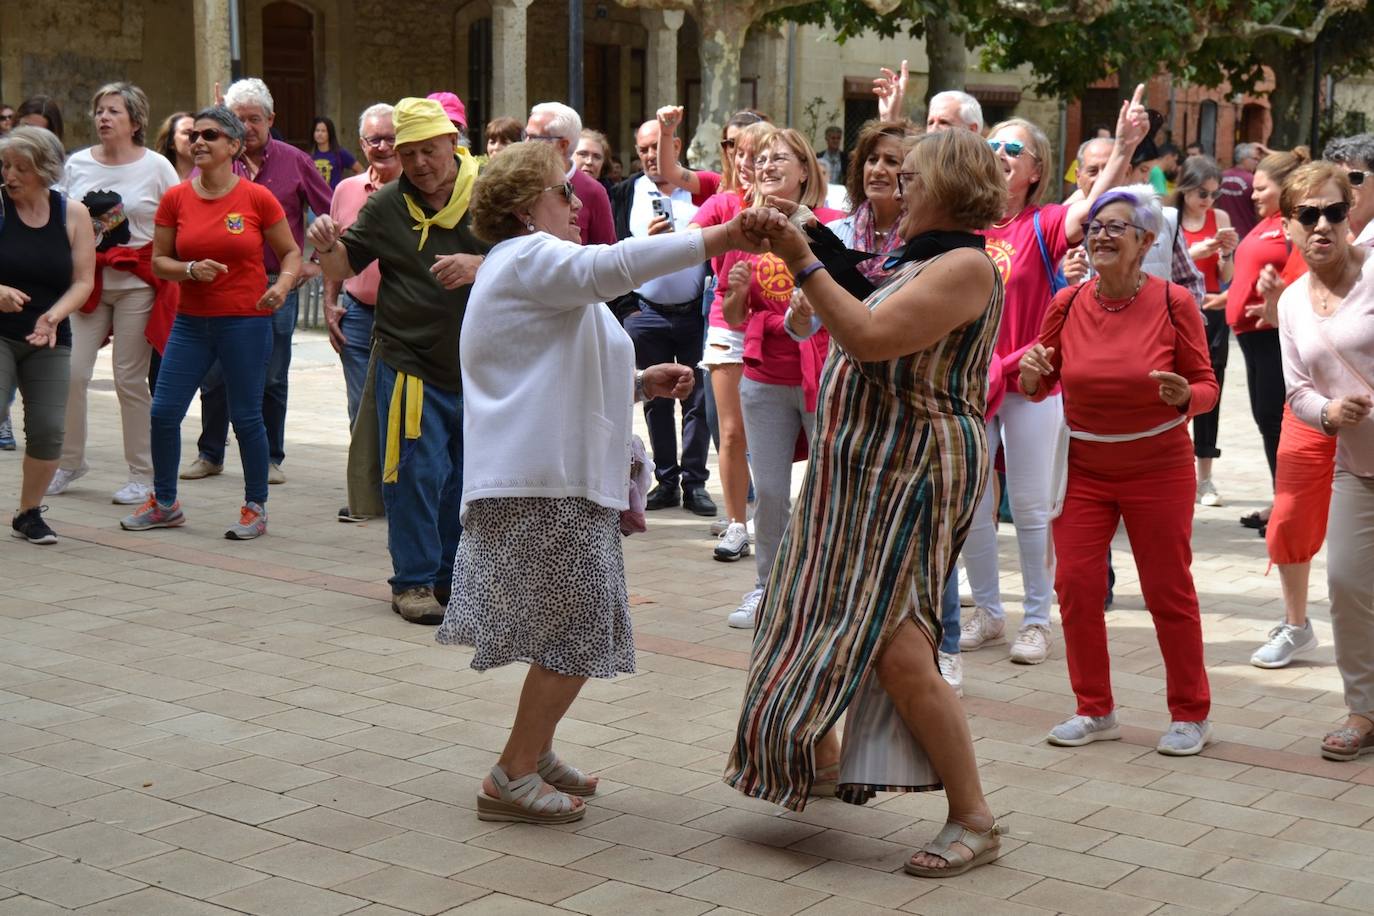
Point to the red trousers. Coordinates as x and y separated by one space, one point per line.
1157 506
1302 492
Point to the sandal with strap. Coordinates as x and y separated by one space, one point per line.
985 847
1347 743
567 779
826 782
519 801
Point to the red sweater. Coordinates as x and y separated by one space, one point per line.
1104 359
1264 245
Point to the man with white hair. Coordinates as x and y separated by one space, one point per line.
292 178
952 108
556 123
349 306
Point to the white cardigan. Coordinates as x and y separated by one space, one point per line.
548 373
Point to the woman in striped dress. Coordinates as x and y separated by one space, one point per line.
851 615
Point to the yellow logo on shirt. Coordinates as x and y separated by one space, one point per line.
1001 253
234 223
773 277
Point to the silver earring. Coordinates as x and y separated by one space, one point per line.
529 226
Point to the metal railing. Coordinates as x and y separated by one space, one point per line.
310 308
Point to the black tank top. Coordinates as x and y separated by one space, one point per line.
37 262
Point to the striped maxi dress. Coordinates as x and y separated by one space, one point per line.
898 465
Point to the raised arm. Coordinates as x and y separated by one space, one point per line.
1132 125
670 169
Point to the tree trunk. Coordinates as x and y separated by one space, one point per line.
946 54
1290 101
723 25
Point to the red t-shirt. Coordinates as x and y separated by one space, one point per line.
1015 251
230 230
1211 265
1264 245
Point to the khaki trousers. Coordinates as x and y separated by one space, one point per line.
1350 580
125 312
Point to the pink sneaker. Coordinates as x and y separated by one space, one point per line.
153 515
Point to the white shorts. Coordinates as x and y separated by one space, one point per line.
724 347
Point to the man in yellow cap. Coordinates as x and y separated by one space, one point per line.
416 229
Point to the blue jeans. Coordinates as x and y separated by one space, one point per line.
214 412
356 325
949 614
241 346
422 524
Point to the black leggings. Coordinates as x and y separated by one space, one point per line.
1207 425
1264 376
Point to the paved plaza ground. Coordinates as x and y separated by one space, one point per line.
192 726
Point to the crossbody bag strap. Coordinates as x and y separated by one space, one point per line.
1326 342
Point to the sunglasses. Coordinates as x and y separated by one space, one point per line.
1335 214
377 141
565 189
210 134
1014 148
1112 228
1205 194
1355 175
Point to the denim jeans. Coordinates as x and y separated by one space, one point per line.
356 325
949 614
241 346
663 337
422 521
214 413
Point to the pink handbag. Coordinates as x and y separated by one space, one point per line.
632 520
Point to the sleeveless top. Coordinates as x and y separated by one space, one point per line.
1210 266
37 262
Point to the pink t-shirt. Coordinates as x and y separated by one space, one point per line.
718 210
349 197
1016 253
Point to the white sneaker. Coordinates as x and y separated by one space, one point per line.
1207 493
979 629
1184 739
1286 642
734 544
743 617
63 479
275 474
1077 731
952 670
1032 645
719 525
132 493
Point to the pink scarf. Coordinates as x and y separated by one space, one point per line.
865 239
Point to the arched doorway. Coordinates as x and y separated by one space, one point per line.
288 68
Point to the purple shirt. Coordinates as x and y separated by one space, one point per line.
294 181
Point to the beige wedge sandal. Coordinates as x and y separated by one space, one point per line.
519 801
566 779
985 847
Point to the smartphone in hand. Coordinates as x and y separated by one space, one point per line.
663 207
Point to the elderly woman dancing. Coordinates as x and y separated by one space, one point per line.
850 618
1131 354
539 575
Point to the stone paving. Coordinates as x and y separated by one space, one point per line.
194 726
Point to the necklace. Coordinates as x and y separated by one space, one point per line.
1322 293
1097 294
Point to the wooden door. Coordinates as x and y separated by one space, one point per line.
288 68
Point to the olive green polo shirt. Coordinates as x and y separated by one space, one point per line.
417 322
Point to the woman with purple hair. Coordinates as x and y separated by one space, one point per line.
1130 353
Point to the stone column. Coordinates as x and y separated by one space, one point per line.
660 59
212 49
508 59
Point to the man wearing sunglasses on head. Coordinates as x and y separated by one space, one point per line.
410 420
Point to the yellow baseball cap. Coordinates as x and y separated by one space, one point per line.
420 119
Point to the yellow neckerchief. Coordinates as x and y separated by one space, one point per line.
412 391
457 204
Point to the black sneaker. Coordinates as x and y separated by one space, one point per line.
698 502
664 496
30 526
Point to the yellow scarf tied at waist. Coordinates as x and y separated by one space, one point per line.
457 204
411 390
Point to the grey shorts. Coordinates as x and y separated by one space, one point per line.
41 375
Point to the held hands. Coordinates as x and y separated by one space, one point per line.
1173 389
206 271
668 380
323 233
748 231
890 88
12 300
44 331
1346 411
784 238
669 117
1133 124
1035 365
455 270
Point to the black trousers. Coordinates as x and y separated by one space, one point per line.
1207 425
1264 376
665 335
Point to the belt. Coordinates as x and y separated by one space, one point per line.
691 305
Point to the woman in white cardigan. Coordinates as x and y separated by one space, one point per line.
549 384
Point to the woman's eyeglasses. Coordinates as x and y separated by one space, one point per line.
902 179
565 189
1112 228
377 141
209 134
1355 175
1335 214
763 162
1014 148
